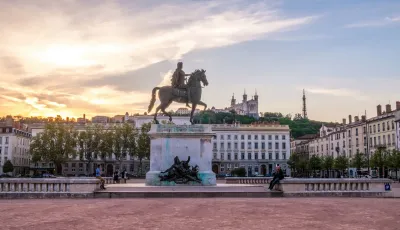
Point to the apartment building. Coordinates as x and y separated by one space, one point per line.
258 148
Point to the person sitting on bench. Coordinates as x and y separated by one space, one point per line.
277 176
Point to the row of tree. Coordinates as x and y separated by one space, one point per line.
59 143
382 159
298 126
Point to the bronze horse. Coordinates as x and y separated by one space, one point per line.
168 94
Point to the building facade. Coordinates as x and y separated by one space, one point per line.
397 124
14 146
258 148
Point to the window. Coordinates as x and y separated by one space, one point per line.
392 124
365 141
349 133
256 145
283 137
374 141
344 134
242 145
80 165
6 150
235 145
73 165
284 156
276 137
379 127
270 156
255 137
229 156
370 130
222 145
393 139
256 156
331 146
370 142
229 137
374 129
269 137
283 145
276 145
263 156
327 146
249 145
344 144
6 141
332 138
263 145
242 156
262 137
215 145
365 129
236 137
383 126
73 170
356 131
215 155
236 156
229 145
242 137
379 140
384 140
222 137
269 145
356 142
222 156
1 140
277 156
350 153
248 156
248 137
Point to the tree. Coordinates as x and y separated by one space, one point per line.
327 163
8 167
315 163
106 144
143 144
57 143
341 163
293 162
394 160
89 143
379 160
118 144
129 135
359 161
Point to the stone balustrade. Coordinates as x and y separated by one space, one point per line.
47 187
293 185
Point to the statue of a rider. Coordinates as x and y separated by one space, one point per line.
178 80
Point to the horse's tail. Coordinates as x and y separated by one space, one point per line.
153 99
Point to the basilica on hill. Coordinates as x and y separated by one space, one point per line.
246 107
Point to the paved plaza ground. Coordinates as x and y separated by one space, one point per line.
209 213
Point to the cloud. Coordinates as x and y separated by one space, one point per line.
375 23
52 49
338 92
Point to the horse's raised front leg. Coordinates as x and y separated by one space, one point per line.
191 114
203 104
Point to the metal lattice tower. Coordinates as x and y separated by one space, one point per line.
304 105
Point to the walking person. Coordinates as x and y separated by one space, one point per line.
277 176
98 176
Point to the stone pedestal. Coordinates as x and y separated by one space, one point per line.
169 141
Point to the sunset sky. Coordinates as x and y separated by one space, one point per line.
98 57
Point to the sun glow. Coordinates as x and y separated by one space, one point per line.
65 56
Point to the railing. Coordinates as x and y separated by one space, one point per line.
317 185
65 186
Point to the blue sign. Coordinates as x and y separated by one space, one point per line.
387 187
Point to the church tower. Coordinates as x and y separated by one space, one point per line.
244 96
233 100
256 96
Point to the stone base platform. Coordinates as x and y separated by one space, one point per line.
220 190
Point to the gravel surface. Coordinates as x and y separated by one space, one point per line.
195 214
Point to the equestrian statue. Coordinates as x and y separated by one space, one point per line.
180 92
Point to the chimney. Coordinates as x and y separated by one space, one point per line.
363 118
350 119
378 110
356 118
344 121
397 105
388 108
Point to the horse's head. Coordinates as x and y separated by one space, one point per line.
198 75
